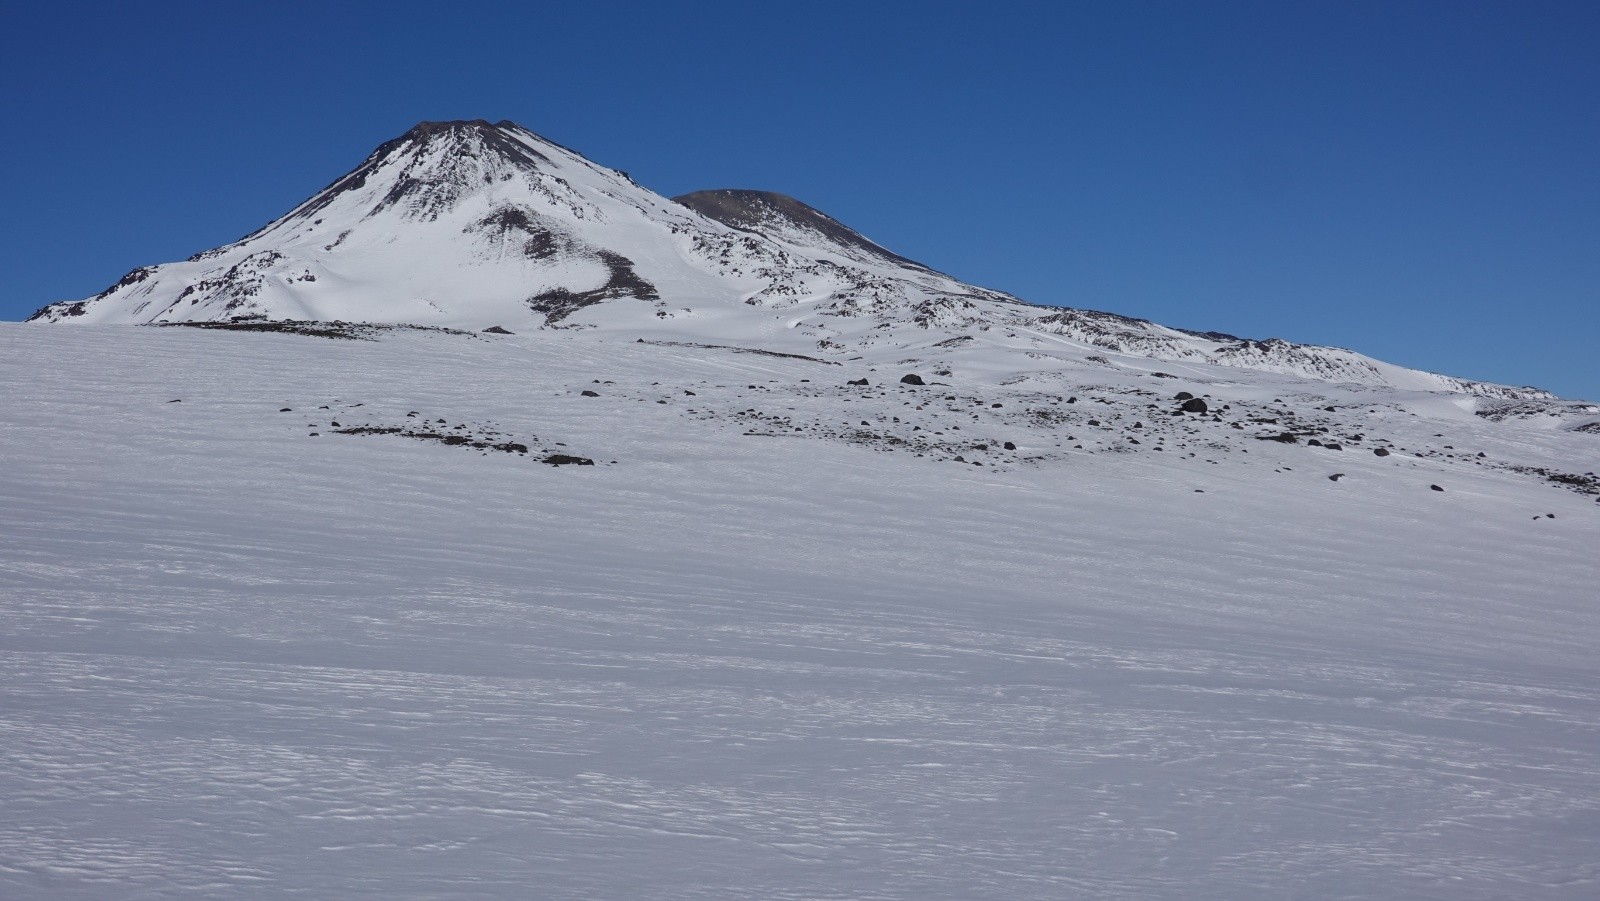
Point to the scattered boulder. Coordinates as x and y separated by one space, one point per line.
1380 451
497 330
588 393
286 410
1183 395
1435 487
1193 404
857 382
1009 446
564 459
911 378
1336 477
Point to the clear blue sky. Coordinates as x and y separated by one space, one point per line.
1417 181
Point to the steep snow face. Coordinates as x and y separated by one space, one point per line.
469 224
472 224
452 223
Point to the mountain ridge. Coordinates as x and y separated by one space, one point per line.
472 224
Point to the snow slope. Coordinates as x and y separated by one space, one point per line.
472 225
788 637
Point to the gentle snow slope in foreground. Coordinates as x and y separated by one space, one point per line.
243 662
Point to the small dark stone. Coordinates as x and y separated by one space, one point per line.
179 401
911 378
1334 445
497 330
286 410
588 393
1313 443
857 382
1380 451
1336 477
1193 405
1009 446
1183 395
688 392
1435 487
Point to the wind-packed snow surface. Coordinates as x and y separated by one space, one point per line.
298 616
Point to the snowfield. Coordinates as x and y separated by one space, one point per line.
777 641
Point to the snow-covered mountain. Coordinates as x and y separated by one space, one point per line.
489 522
473 225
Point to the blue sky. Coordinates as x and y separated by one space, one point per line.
1417 181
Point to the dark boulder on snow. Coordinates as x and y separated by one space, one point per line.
564 459
911 378
1009 446
588 393
1193 404
857 382
1182 395
497 330
1381 451
1435 487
